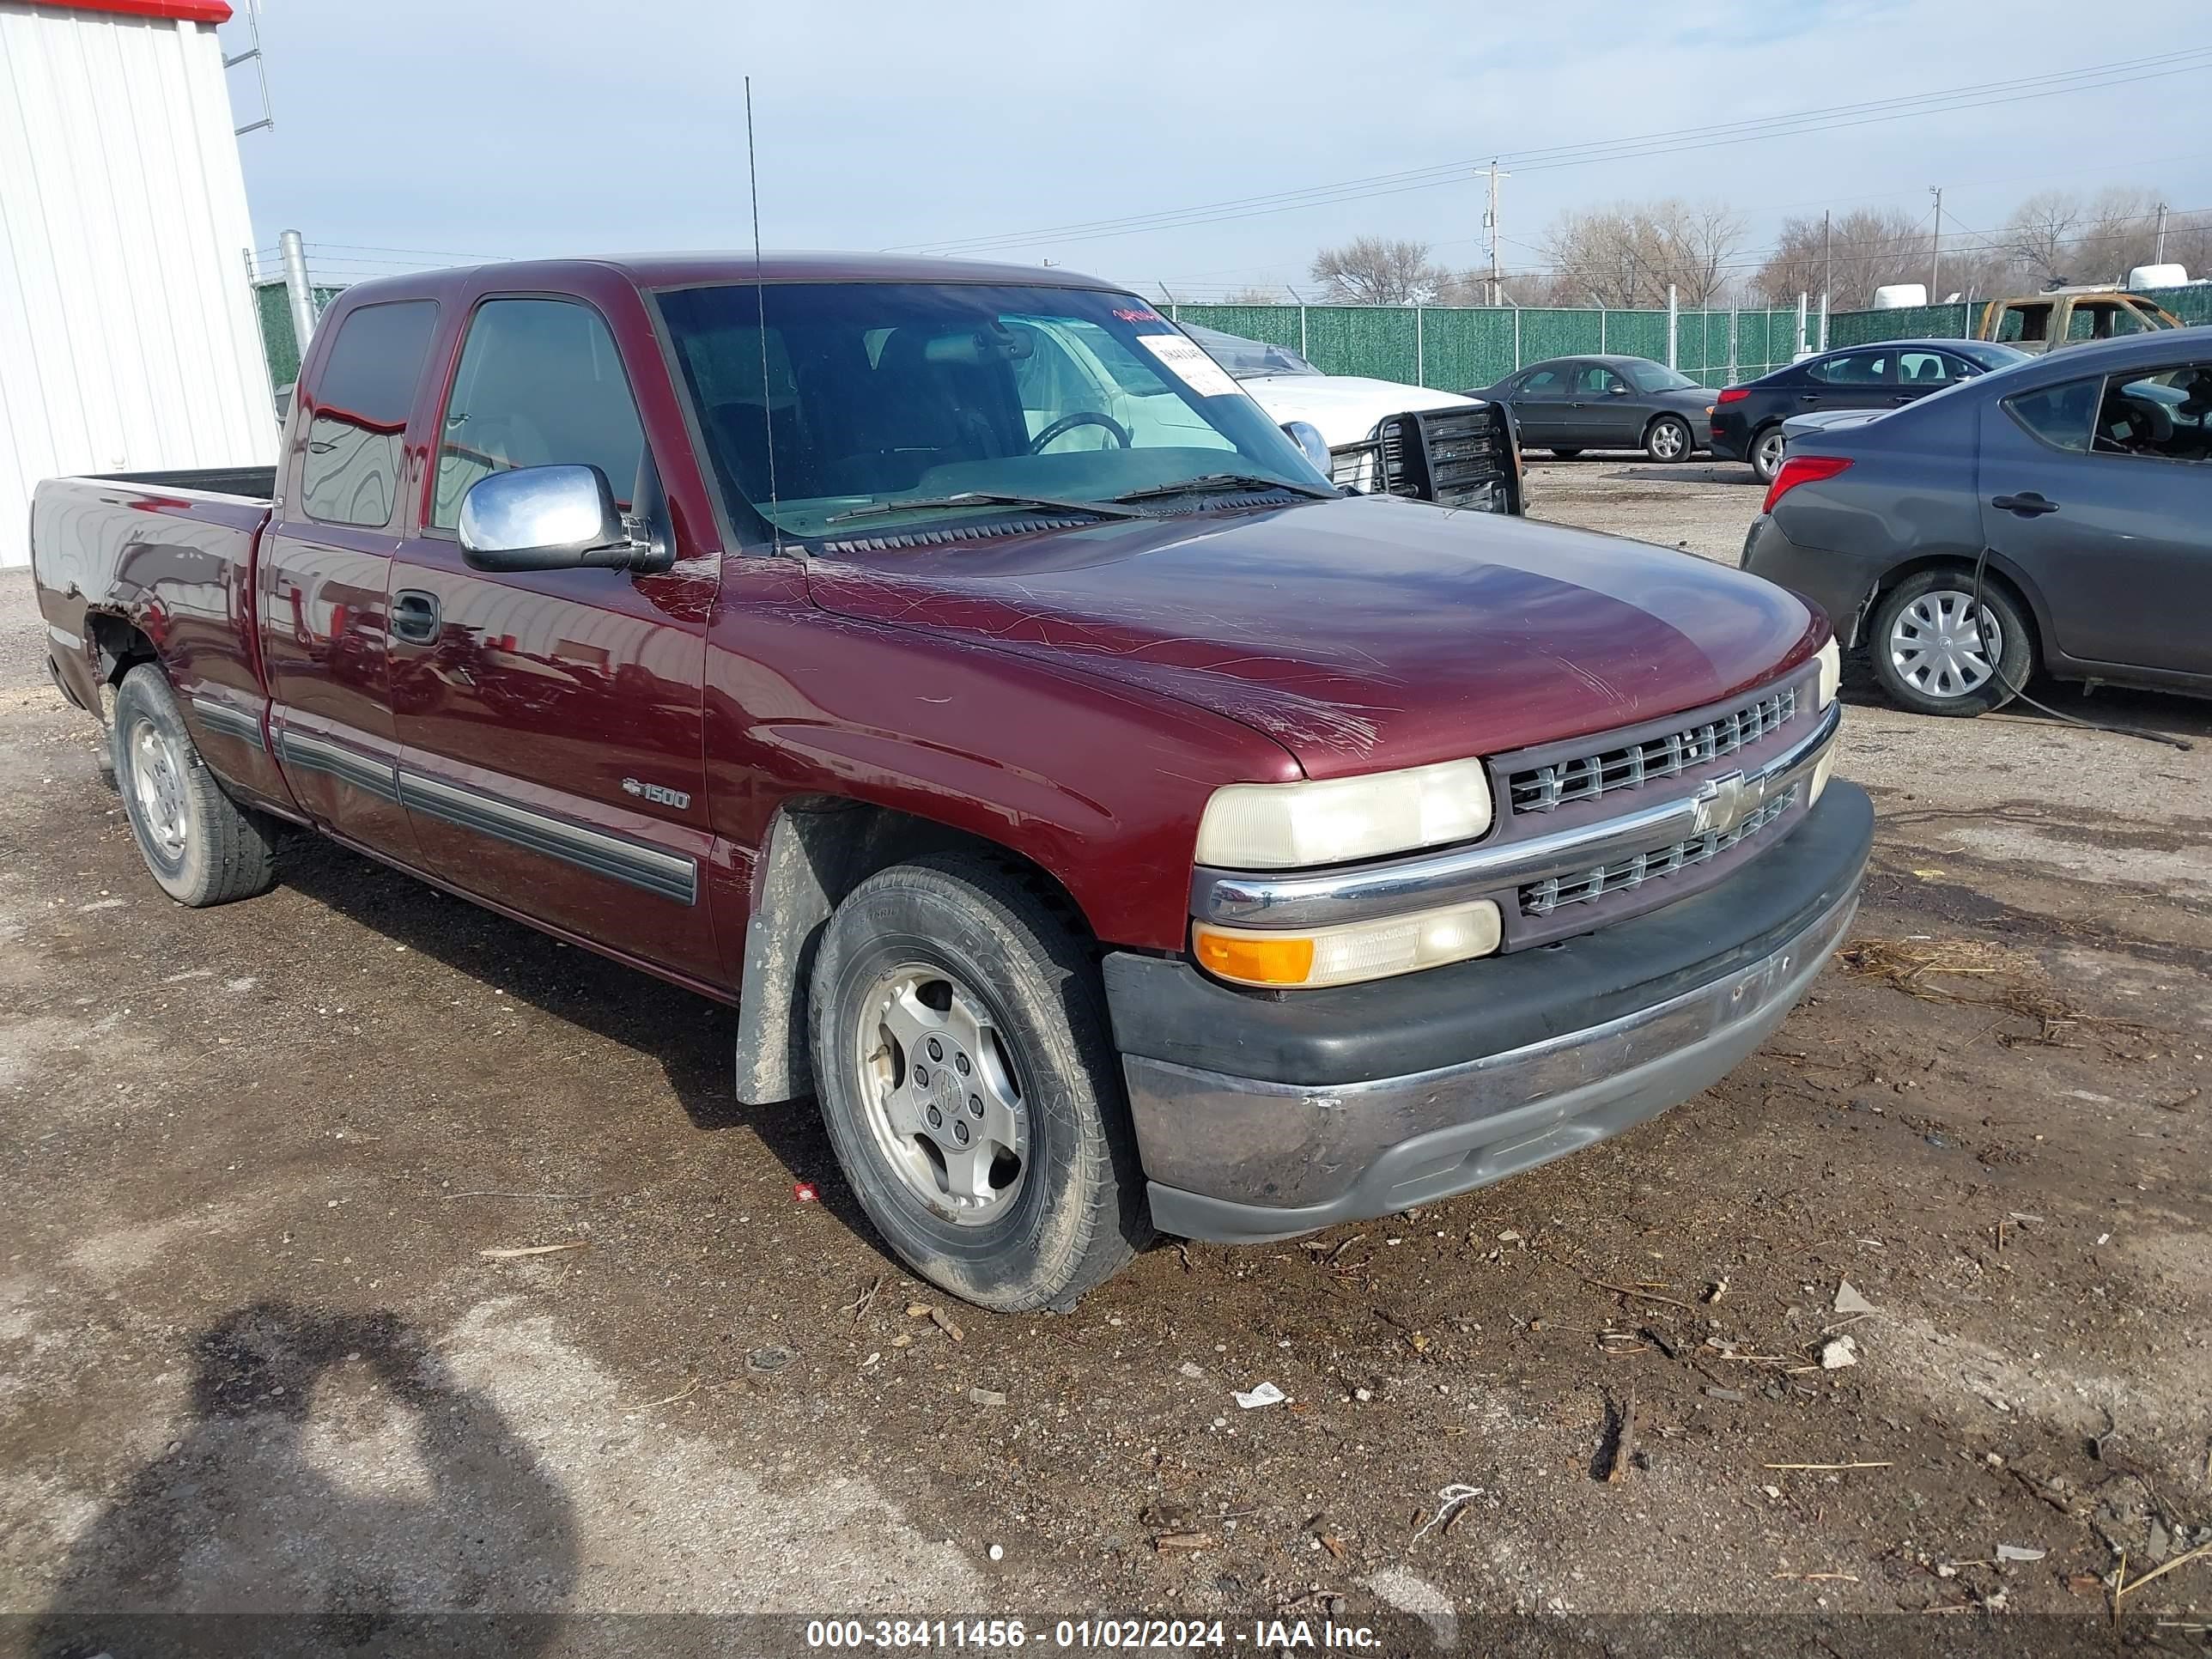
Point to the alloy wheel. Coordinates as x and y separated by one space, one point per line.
943 1094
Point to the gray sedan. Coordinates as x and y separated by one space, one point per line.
2074 490
1568 405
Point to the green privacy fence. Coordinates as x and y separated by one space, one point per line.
275 308
1458 348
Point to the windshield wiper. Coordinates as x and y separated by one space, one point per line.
981 498
1225 481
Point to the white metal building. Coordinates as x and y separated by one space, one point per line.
128 337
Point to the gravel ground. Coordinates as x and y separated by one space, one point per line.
254 1353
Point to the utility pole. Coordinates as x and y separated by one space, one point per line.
1490 225
1936 251
1827 262
2159 258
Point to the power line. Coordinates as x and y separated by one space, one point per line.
1798 123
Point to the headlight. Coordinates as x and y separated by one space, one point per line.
1831 671
1287 826
1356 950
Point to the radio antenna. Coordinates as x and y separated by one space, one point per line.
760 293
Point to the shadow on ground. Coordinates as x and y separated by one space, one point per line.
335 1485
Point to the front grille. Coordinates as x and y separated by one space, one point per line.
1454 457
1586 777
1542 898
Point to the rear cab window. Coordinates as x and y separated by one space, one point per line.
354 445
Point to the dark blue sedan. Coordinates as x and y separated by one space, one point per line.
1746 420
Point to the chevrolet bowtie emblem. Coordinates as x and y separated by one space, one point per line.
1723 803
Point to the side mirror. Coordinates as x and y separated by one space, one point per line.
1617 390
545 517
1315 447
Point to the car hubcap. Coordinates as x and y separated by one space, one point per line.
157 781
943 1098
1770 452
1942 648
1668 441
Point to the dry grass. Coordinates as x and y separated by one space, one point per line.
2013 982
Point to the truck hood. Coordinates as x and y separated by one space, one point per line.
1361 633
1346 407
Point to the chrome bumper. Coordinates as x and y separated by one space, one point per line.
1239 1159
1369 891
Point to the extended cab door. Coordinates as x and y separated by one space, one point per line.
324 564
550 721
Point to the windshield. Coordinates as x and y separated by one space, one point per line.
901 404
1655 377
1247 360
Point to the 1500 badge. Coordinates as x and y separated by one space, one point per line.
655 794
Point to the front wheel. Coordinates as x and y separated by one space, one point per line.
1933 654
969 1088
201 846
1766 447
1668 439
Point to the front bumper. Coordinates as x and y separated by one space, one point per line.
1261 1118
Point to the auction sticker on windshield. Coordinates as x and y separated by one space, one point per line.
1183 359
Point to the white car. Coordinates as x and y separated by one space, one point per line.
1345 408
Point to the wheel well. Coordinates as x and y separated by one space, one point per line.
818 850
122 648
1992 578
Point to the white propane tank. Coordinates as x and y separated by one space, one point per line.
1899 297
2150 277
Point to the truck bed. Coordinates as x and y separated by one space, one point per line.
166 559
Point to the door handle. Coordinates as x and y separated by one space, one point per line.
2028 504
415 615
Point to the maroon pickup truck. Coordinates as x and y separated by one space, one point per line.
1110 825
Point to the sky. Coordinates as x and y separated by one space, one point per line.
423 132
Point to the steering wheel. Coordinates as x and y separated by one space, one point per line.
1067 424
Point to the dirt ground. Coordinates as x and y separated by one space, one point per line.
255 1352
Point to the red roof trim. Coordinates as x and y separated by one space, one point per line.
188 11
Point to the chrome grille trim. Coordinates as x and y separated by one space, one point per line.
1542 898
1586 777
1494 867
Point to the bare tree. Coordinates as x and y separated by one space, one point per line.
1374 272
1629 255
2040 234
1847 258
2119 231
1257 296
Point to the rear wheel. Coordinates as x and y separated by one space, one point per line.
969 1088
1767 447
1667 439
201 846
1935 654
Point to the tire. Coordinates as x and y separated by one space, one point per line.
201 846
1765 452
1669 439
1906 644
1040 1198
1565 454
